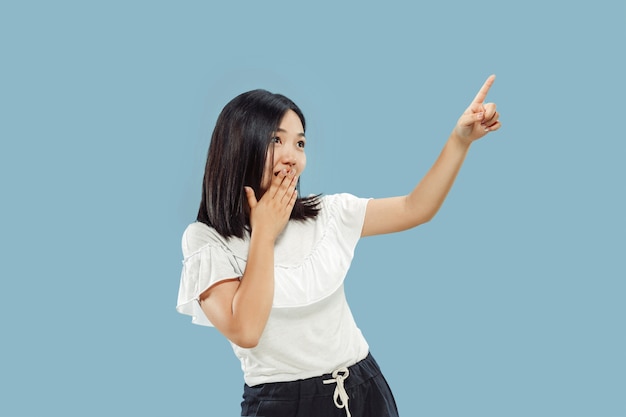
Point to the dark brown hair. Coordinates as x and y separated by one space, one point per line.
239 147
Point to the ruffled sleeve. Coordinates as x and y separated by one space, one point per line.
206 262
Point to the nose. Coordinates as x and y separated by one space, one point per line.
288 156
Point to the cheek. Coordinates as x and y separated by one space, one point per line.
302 162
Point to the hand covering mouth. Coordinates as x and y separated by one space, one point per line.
287 169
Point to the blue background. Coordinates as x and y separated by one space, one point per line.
509 303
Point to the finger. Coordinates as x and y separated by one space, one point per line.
482 93
292 200
469 119
491 115
495 126
252 201
490 109
491 120
289 189
277 181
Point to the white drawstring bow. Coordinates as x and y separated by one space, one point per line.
340 391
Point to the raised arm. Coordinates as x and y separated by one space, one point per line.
388 215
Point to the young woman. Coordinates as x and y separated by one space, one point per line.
266 267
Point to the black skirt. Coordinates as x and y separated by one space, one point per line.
358 391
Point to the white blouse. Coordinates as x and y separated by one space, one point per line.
310 330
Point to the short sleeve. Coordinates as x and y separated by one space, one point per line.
206 262
349 212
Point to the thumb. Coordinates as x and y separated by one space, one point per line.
470 118
250 196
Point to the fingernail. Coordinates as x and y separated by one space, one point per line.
479 116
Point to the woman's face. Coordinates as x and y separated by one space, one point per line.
288 148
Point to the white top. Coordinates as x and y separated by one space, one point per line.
310 330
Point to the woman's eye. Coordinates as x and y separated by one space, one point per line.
301 144
275 139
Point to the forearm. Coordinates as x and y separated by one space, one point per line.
395 214
253 299
427 197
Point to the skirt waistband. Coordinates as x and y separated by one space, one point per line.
359 373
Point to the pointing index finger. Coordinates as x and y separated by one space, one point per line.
482 93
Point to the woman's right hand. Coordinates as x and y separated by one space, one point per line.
271 213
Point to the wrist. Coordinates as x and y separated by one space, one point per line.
459 141
263 236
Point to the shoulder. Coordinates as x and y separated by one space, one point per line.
341 198
345 211
198 235
343 202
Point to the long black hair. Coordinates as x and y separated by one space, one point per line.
239 147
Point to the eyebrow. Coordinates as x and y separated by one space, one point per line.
284 131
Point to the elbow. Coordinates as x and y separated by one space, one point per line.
242 329
428 218
246 338
416 215
418 221
427 215
248 345
246 342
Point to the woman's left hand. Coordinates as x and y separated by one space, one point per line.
479 118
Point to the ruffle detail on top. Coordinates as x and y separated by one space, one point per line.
323 271
312 257
202 269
